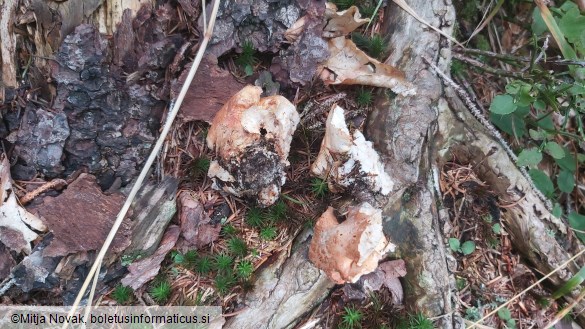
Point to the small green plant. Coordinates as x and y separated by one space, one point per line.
364 97
224 282
472 314
460 283
244 269
237 247
351 318
122 294
268 233
506 316
199 168
375 45
190 258
277 211
497 228
247 59
319 187
161 292
223 262
203 265
344 4
177 257
467 248
255 217
415 321
229 230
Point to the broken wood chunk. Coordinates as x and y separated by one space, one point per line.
154 207
81 218
144 270
348 65
251 137
196 226
16 224
346 251
211 88
349 160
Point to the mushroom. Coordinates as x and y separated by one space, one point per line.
346 251
349 161
251 137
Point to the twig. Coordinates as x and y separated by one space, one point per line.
47 186
566 310
496 134
489 69
94 271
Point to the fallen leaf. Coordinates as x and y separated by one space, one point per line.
348 65
144 270
341 23
81 218
196 226
14 219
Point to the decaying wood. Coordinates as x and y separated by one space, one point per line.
8 44
153 209
284 291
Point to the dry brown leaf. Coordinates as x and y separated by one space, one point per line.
14 219
144 270
341 23
348 65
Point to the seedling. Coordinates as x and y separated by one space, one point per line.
224 282
246 60
237 247
364 97
229 230
467 248
190 258
199 168
268 233
319 187
255 217
277 211
177 257
223 262
344 4
161 292
505 315
203 265
244 269
375 46
352 318
122 294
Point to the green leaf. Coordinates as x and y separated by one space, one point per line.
555 150
572 24
504 314
568 162
467 247
249 70
573 283
497 228
510 124
566 181
538 24
557 211
577 222
454 244
536 135
503 104
542 182
529 157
